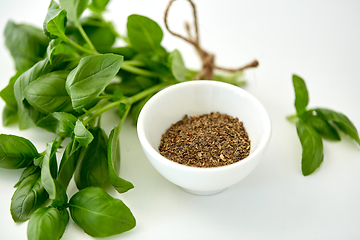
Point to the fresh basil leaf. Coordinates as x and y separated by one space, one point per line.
61 123
16 152
340 120
99 214
312 147
9 115
85 83
8 95
55 21
177 65
27 172
28 197
100 33
49 174
301 95
47 223
144 34
56 47
92 168
27 44
98 5
120 184
47 93
68 162
126 51
74 8
82 135
322 127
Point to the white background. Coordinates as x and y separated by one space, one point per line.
318 40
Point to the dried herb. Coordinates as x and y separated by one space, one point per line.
209 140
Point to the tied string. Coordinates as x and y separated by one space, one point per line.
207 59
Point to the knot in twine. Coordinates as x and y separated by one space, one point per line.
207 59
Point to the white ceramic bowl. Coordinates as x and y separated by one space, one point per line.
196 98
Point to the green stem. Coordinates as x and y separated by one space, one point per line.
86 38
77 46
126 66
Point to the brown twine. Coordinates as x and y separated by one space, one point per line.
208 64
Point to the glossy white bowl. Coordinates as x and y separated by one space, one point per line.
196 98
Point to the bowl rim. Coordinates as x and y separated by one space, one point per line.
156 155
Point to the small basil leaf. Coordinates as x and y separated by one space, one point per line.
29 196
101 35
9 115
144 34
98 5
27 44
55 21
301 95
92 168
85 83
74 8
47 223
312 147
16 152
325 129
120 184
341 121
82 135
177 65
47 93
68 162
99 214
61 123
27 172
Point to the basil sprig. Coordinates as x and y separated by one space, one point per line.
314 125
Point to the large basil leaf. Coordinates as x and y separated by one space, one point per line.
16 152
322 127
312 147
28 197
74 8
120 184
47 93
144 34
92 169
61 123
85 83
99 214
47 223
68 162
340 120
301 95
27 44
55 21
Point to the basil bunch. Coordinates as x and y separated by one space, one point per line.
313 125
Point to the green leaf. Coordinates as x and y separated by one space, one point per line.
27 44
85 83
74 8
49 174
92 168
322 127
8 95
340 120
56 47
136 109
47 223
16 152
312 147
144 34
82 135
32 169
98 5
68 162
301 95
177 65
9 116
120 184
28 197
61 123
99 214
47 93
55 21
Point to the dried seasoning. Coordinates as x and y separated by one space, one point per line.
209 140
